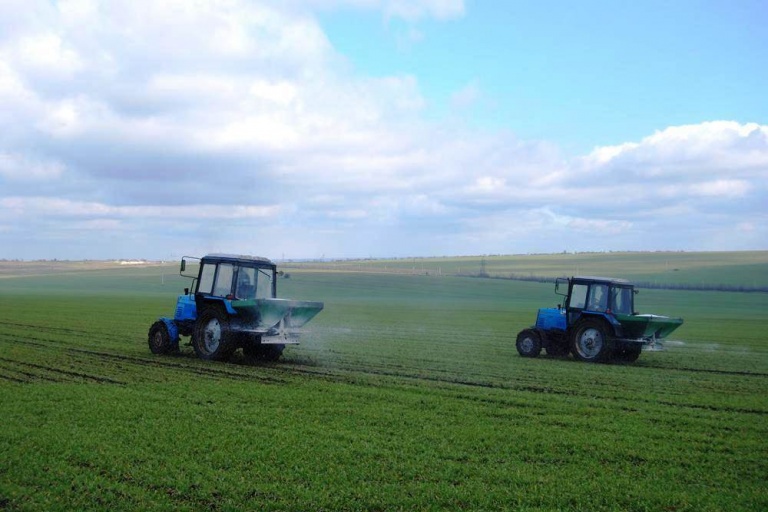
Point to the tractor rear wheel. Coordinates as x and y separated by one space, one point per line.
528 343
212 339
159 339
591 341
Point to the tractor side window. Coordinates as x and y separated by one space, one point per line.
598 298
206 278
264 283
578 296
246 283
224 276
622 301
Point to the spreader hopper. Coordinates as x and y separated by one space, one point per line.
648 327
277 317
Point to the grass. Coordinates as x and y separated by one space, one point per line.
407 394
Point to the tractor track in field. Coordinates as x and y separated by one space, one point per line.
46 328
162 362
529 388
14 364
707 370
36 333
177 363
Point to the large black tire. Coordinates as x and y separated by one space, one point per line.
528 343
212 338
159 339
591 341
628 352
268 353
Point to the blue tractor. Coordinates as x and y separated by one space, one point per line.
596 323
232 304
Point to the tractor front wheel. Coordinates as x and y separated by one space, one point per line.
159 339
528 343
212 339
591 341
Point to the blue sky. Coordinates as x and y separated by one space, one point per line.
581 74
358 128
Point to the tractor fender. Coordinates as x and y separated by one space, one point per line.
173 330
608 319
225 304
542 335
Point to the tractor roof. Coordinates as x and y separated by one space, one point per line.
239 258
611 280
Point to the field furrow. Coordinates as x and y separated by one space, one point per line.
53 373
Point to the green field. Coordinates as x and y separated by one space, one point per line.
407 393
748 268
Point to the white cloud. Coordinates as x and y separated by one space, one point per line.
208 122
25 168
702 165
63 208
191 88
707 148
730 189
49 55
599 226
281 92
408 10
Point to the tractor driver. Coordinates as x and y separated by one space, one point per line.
245 288
598 300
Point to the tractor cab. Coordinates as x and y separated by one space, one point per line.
235 278
598 296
